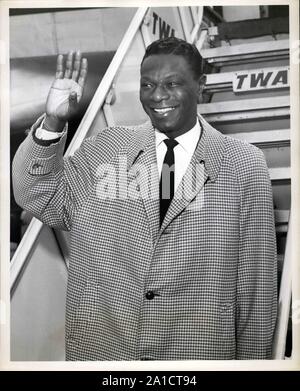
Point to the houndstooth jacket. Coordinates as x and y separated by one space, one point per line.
201 286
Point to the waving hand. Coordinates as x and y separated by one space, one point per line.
66 90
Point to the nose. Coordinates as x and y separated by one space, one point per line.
159 93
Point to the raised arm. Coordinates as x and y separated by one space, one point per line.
51 187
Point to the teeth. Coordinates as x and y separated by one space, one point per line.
162 111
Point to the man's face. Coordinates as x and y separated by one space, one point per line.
169 93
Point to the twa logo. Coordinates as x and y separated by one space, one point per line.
161 27
268 78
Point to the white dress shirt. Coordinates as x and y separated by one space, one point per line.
183 152
44 134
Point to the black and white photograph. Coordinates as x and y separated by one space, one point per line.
150 187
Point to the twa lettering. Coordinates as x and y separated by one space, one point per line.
164 29
268 78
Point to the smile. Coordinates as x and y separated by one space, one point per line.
164 110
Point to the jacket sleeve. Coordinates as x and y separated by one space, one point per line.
257 269
48 185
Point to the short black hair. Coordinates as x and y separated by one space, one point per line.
178 47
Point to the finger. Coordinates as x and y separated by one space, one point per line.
83 72
76 66
59 67
69 65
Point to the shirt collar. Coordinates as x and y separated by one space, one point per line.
211 147
188 140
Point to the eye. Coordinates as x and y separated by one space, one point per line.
146 85
173 84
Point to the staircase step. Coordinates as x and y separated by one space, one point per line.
246 109
281 223
280 173
281 216
265 138
244 29
246 53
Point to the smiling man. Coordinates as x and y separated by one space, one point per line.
169 94
161 277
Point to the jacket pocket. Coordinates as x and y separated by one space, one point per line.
82 319
227 321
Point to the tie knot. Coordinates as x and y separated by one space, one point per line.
170 143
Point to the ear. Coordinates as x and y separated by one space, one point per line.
201 85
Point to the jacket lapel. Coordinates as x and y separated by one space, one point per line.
204 166
191 184
142 168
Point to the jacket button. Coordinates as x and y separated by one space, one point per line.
150 295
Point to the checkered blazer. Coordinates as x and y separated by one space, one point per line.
210 268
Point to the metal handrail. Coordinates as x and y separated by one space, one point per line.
284 303
21 255
105 85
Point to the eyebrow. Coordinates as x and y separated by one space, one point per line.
170 76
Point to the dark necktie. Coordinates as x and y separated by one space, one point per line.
166 185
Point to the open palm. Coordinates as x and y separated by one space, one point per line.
67 88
